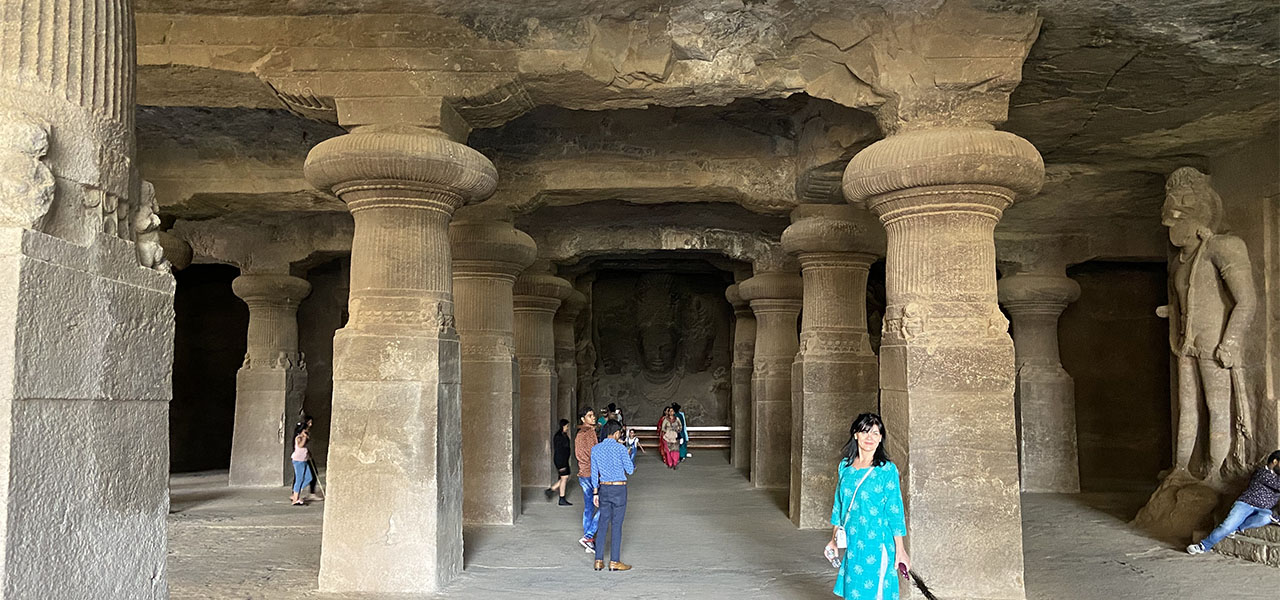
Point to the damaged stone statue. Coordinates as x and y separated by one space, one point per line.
1212 300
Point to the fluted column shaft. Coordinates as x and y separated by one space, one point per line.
88 336
775 298
1045 393
393 515
488 254
946 361
565 333
835 373
271 384
538 295
744 345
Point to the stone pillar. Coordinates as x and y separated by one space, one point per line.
272 382
1044 394
538 295
566 322
393 515
946 359
488 254
835 374
586 350
744 345
86 336
774 296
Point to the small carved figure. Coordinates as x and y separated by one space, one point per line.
146 229
26 183
1212 300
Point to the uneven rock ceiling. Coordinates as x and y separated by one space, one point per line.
752 103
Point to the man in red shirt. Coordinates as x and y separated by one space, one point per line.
582 445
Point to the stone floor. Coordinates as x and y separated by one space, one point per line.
699 532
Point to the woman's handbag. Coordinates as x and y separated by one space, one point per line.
842 540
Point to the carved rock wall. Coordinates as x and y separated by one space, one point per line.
662 338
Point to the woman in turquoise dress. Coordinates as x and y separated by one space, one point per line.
873 521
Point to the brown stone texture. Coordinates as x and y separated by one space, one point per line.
488 254
775 298
834 377
396 431
744 345
538 295
271 383
1044 394
566 326
946 359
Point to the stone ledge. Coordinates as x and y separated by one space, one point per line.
1258 545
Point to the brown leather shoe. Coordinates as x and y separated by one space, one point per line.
617 566
599 565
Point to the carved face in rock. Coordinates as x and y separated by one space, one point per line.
1191 208
658 346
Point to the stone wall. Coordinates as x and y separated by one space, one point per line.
1248 180
662 338
209 346
1117 350
319 316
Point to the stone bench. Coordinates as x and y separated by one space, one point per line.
1261 545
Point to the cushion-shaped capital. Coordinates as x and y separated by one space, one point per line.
833 228
1037 288
273 288
772 286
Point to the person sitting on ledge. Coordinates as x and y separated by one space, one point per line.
1254 508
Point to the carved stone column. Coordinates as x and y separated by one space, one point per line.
744 345
946 359
774 296
1045 394
835 374
86 341
488 254
538 295
393 517
566 322
271 384
586 350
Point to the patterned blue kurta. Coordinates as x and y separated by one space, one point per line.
868 569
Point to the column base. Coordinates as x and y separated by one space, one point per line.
537 394
86 354
829 394
1047 430
393 512
268 401
490 434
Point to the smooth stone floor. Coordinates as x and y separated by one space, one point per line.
700 532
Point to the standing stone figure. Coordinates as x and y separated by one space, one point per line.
1212 302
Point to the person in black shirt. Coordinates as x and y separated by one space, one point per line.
560 456
1254 508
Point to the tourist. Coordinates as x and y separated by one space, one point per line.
633 444
610 465
684 432
301 456
316 495
560 458
866 512
1254 508
602 417
615 413
582 445
669 438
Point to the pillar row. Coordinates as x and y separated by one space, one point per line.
393 515
744 344
538 295
566 322
488 254
946 359
271 384
774 297
835 372
1044 393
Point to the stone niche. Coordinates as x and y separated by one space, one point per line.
662 337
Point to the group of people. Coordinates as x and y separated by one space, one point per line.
673 436
605 459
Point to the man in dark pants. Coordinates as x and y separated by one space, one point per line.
610 465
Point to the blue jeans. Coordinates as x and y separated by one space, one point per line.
613 508
301 475
1242 516
590 516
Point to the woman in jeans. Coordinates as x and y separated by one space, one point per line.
301 456
868 508
1254 508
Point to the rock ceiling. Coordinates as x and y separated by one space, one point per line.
753 103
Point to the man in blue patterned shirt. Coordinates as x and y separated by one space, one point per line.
610 465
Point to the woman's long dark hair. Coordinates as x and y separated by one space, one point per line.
563 422
864 422
1275 456
301 425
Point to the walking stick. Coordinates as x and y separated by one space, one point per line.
919 581
315 475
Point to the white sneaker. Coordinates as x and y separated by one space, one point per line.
1194 549
589 545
